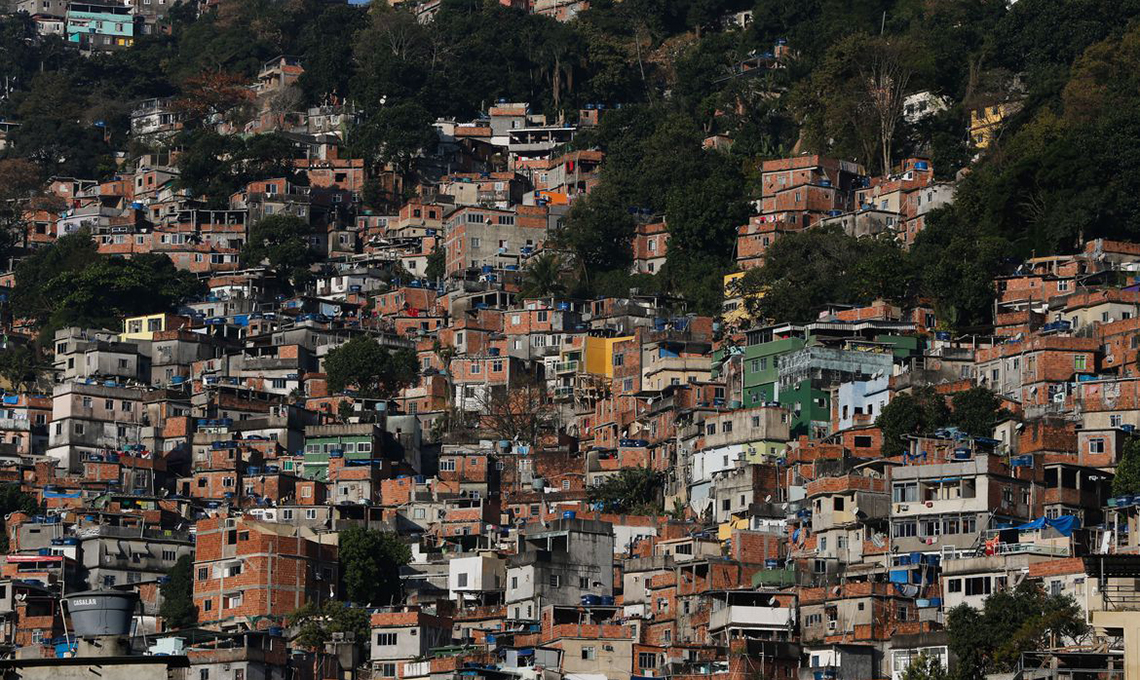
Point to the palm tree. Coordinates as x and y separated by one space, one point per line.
544 277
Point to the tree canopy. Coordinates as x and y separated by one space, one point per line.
370 563
1025 618
370 368
178 609
632 490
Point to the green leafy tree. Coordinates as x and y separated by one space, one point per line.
977 411
544 276
68 253
925 667
396 134
13 499
315 624
1127 478
919 412
370 565
1011 622
109 288
633 490
19 366
178 610
281 242
436 263
372 369
599 231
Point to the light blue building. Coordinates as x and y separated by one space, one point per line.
100 25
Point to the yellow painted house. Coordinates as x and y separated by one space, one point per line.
144 327
986 122
734 312
599 354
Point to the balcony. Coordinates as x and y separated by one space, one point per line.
566 366
740 616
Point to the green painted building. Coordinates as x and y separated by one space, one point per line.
353 441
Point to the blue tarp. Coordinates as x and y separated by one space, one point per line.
1065 524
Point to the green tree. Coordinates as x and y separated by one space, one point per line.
396 134
372 369
315 624
436 263
13 499
919 412
544 276
632 490
1127 478
991 640
19 366
109 288
599 231
977 411
282 243
68 253
370 565
178 610
925 667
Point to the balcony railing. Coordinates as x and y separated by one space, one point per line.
566 366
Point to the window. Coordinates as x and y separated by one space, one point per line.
208 605
862 442
1096 445
387 670
646 660
169 555
203 573
310 514
1079 362
463 580
1115 421
588 653
514 586
447 465
978 585
387 639
904 529
555 581
954 585
566 485
906 492
231 601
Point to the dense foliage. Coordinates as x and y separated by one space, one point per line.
991 640
314 623
370 566
1059 172
975 411
373 370
633 490
70 284
178 609
13 499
